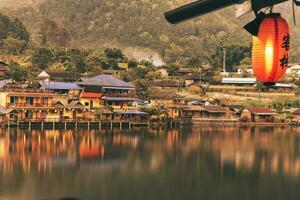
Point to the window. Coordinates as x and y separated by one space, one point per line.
29 100
86 104
45 101
28 114
14 100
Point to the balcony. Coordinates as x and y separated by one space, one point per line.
28 105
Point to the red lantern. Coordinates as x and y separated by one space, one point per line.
270 49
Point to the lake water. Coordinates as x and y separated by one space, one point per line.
186 164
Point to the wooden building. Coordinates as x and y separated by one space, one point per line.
258 115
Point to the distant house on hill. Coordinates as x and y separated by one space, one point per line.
43 76
293 70
185 72
239 81
169 84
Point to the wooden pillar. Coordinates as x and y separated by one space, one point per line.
65 125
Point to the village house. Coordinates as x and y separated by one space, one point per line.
168 84
30 104
257 115
76 111
207 112
239 81
185 72
107 91
8 115
169 100
43 76
71 89
296 115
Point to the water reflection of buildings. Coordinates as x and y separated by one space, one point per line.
41 151
266 149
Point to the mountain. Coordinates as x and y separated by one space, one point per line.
138 27
19 3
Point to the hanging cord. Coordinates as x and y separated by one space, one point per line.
294 14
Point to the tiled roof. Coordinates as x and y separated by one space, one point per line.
134 112
76 105
297 112
43 74
239 81
120 99
59 85
5 111
260 111
4 82
105 80
215 109
185 70
161 95
193 108
91 95
168 83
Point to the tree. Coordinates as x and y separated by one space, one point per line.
20 32
173 69
114 53
194 62
42 57
16 72
13 46
132 64
53 34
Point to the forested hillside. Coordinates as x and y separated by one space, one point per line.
138 27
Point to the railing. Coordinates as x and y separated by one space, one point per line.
20 90
82 120
120 95
29 105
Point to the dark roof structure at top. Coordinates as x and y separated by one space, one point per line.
105 81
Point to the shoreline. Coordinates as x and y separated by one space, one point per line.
128 125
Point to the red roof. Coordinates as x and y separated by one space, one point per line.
91 95
260 110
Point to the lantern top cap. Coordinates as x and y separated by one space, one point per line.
273 15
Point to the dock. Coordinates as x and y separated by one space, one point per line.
71 124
